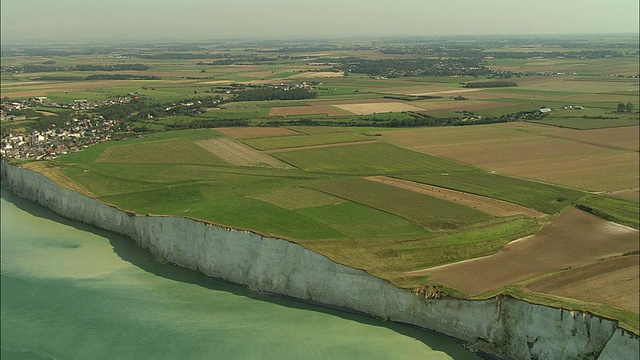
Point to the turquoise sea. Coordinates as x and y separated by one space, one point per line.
70 291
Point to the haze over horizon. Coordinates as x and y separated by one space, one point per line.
39 21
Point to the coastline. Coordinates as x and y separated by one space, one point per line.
502 326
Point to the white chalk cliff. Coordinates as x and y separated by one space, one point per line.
502 325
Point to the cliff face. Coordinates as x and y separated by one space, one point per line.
503 325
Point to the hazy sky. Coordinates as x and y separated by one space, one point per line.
106 20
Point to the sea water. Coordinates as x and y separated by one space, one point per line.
71 291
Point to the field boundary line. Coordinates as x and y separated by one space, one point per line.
307 147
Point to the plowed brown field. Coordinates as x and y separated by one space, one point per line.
612 282
573 239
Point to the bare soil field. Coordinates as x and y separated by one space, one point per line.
239 154
319 146
525 150
243 133
609 171
306 110
618 137
612 281
573 239
481 203
630 194
376 108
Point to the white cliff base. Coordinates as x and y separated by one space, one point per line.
503 326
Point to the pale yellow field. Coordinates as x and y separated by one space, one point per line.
376 108
239 154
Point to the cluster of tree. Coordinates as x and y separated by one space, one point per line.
97 77
489 84
36 68
415 67
267 93
121 77
411 97
207 123
228 59
628 108
419 120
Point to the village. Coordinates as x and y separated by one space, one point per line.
42 145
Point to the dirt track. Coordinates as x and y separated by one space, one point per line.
487 205
573 239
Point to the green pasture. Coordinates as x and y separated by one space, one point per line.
545 198
173 151
357 221
281 142
90 154
431 213
464 245
368 159
613 209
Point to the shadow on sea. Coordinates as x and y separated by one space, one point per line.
130 252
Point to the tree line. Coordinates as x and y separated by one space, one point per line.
36 68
